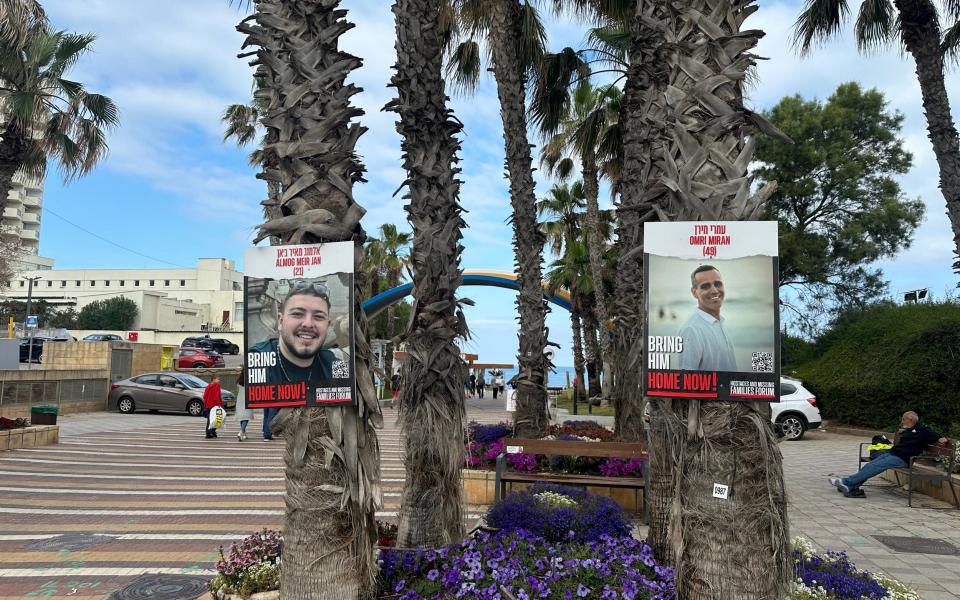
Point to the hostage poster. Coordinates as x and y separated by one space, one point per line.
713 317
298 325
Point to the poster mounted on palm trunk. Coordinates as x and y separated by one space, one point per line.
713 310
298 325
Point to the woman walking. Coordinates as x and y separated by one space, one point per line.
211 398
243 413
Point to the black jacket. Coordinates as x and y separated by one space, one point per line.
914 441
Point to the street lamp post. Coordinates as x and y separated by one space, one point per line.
30 281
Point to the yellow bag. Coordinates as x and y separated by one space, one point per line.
217 415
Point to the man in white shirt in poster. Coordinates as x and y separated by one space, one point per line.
706 343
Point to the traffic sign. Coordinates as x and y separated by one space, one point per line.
32 321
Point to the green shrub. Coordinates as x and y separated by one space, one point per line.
879 362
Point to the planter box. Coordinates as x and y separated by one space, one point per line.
935 489
29 437
479 487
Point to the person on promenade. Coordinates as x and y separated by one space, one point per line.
243 413
471 385
914 438
481 385
211 398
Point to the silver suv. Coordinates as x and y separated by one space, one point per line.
797 410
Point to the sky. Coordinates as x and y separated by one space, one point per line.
170 191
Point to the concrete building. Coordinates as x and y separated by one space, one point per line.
207 298
21 219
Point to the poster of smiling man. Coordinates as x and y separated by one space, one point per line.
713 319
298 325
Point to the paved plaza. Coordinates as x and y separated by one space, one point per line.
123 495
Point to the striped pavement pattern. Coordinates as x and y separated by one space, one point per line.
155 499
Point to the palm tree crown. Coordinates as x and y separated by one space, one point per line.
44 114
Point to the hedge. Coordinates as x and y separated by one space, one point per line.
877 363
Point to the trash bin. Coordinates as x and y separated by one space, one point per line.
43 415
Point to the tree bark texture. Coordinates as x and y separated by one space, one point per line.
13 148
735 548
332 455
530 418
575 320
592 345
921 36
431 403
595 244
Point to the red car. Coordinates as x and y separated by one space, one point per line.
198 358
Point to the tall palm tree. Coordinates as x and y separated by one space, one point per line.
587 130
571 271
697 170
431 402
332 454
919 26
515 37
43 114
374 256
395 245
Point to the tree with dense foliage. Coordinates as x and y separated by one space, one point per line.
695 168
67 318
931 37
838 203
113 314
45 115
515 37
431 401
332 454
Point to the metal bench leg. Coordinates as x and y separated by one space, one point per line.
953 490
910 490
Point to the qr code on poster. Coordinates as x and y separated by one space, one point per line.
762 362
341 370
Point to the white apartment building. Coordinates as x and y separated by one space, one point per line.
21 219
209 297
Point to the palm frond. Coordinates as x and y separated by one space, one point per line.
17 19
819 20
611 43
550 99
533 38
876 24
463 68
101 109
241 123
950 47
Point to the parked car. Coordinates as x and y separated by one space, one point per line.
103 337
36 355
198 358
177 392
221 345
796 412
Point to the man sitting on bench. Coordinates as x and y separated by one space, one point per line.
914 439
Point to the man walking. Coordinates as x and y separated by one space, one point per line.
914 438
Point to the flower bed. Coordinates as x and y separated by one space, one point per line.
560 514
486 442
251 566
831 576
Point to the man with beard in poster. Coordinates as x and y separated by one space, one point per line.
302 324
706 343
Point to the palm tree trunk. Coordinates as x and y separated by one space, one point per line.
531 418
921 36
734 548
645 77
12 153
592 344
331 496
595 243
577 342
431 400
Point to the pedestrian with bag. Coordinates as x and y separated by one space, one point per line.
243 414
211 400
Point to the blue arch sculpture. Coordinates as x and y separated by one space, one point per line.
486 278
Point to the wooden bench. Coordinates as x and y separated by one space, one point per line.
571 448
936 463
